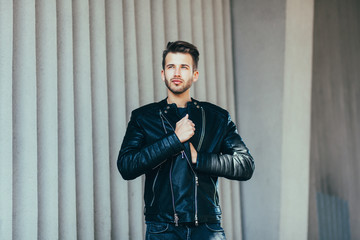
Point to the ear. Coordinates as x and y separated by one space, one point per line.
195 75
163 75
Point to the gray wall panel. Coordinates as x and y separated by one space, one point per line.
198 39
296 120
132 102
66 128
158 43
99 92
258 29
209 53
25 182
270 39
6 118
83 120
171 20
117 115
335 118
47 118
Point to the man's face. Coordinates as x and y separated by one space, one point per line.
179 74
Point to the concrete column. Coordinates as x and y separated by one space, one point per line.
47 118
6 119
117 116
296 120
272 43
258 43
25 164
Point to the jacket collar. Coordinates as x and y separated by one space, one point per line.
165 106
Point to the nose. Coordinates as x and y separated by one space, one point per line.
177 71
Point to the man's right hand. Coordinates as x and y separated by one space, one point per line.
185 129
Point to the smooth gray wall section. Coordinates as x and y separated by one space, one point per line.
335 137
258 43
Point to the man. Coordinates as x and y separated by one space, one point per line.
182 146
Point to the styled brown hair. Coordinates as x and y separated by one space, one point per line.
182 47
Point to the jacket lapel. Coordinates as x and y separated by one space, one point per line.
169 111
195 115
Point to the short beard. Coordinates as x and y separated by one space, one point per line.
181 90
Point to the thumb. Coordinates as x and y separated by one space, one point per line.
186 116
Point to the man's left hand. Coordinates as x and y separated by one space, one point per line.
193 154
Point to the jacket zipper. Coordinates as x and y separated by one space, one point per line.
202 130
215 187
196 188
153 187
176 218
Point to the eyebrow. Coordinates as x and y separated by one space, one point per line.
182 65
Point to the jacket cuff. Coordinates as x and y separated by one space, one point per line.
175 143
201 163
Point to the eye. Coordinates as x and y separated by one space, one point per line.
185 67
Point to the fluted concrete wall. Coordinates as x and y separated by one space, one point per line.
70 74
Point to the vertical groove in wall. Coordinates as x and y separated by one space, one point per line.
219 53
229 76
198 40
117 115
46 69
219 59
208 51
130 55
226 206
71 75
144 53
146 94
6 120
83 121
236 210
229 84
171 23
184 20
100 120
184 24
132 102
66 128
158 45
24 126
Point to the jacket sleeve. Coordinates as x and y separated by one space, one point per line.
233 162
137 157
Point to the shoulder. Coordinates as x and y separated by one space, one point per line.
148 110
145 110
212 108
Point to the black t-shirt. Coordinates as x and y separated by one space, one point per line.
182 112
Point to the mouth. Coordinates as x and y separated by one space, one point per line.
176 81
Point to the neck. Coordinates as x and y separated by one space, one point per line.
180 100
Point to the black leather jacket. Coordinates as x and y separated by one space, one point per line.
176 190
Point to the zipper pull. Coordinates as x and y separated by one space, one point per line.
197 180
182 154
196 220
176 220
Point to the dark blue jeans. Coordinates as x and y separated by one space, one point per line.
168 231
